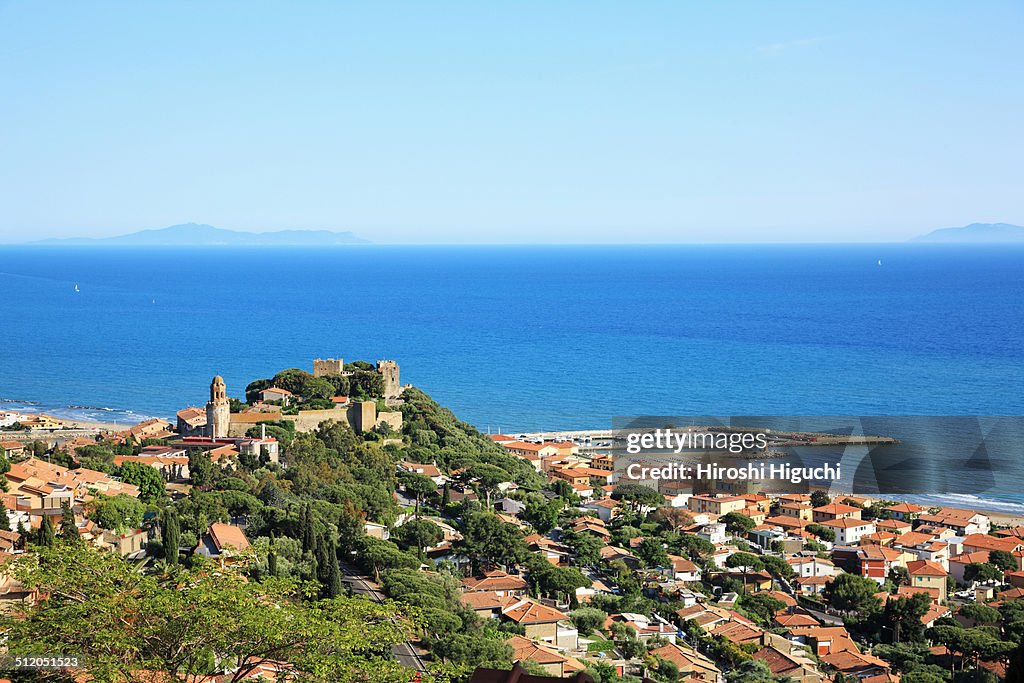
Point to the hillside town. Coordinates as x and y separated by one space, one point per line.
502 558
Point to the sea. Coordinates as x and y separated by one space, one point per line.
525 338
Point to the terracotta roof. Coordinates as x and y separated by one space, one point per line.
906 508
978 557
228 536
987 542
836 509
530 612
494 581
524 649
482 600
925 568
796 620
847 523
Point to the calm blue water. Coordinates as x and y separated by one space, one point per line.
529 337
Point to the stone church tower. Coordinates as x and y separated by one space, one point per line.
218 410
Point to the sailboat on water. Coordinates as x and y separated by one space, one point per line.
76 288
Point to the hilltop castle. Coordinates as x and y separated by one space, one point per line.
361 415
388 369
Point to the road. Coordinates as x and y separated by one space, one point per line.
404 653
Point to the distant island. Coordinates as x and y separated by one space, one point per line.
980 233
201 235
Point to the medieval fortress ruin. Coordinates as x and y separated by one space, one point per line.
361 415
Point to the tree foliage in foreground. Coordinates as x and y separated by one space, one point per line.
196 622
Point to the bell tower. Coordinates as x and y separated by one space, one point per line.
218 409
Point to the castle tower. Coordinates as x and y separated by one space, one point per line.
389 371
218 409
323 367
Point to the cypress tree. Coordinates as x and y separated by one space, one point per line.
446 496
171 534
5 522
45 537
333 588
308 536
323 560
68 528
271 562
1015 667
23 534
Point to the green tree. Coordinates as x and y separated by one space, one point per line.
762 605
899 575
45 535
980 614
637 496
201 469
317 387
147 478
588 619
903 617
778 567
982 571
1002 559
746 562
694 547
68 528
489 539
118 513
652 553
852 593
488 477
820 498
332 583
122 622
585 546
5 521
418 486
170 532
307 528
542 514
751 671
737 522
420 534
822 532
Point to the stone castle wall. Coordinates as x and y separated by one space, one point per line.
328 366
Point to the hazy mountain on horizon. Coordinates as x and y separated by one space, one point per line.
976 232
200 234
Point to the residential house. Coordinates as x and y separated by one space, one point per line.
849 530
692 664
683 569
905 512
716 504
497 582
790 664
540 622
605 508
544 656
834 511
221 542
271 394
928 574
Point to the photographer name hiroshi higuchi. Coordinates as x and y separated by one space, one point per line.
753 471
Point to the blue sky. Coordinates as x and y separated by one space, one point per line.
512 122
